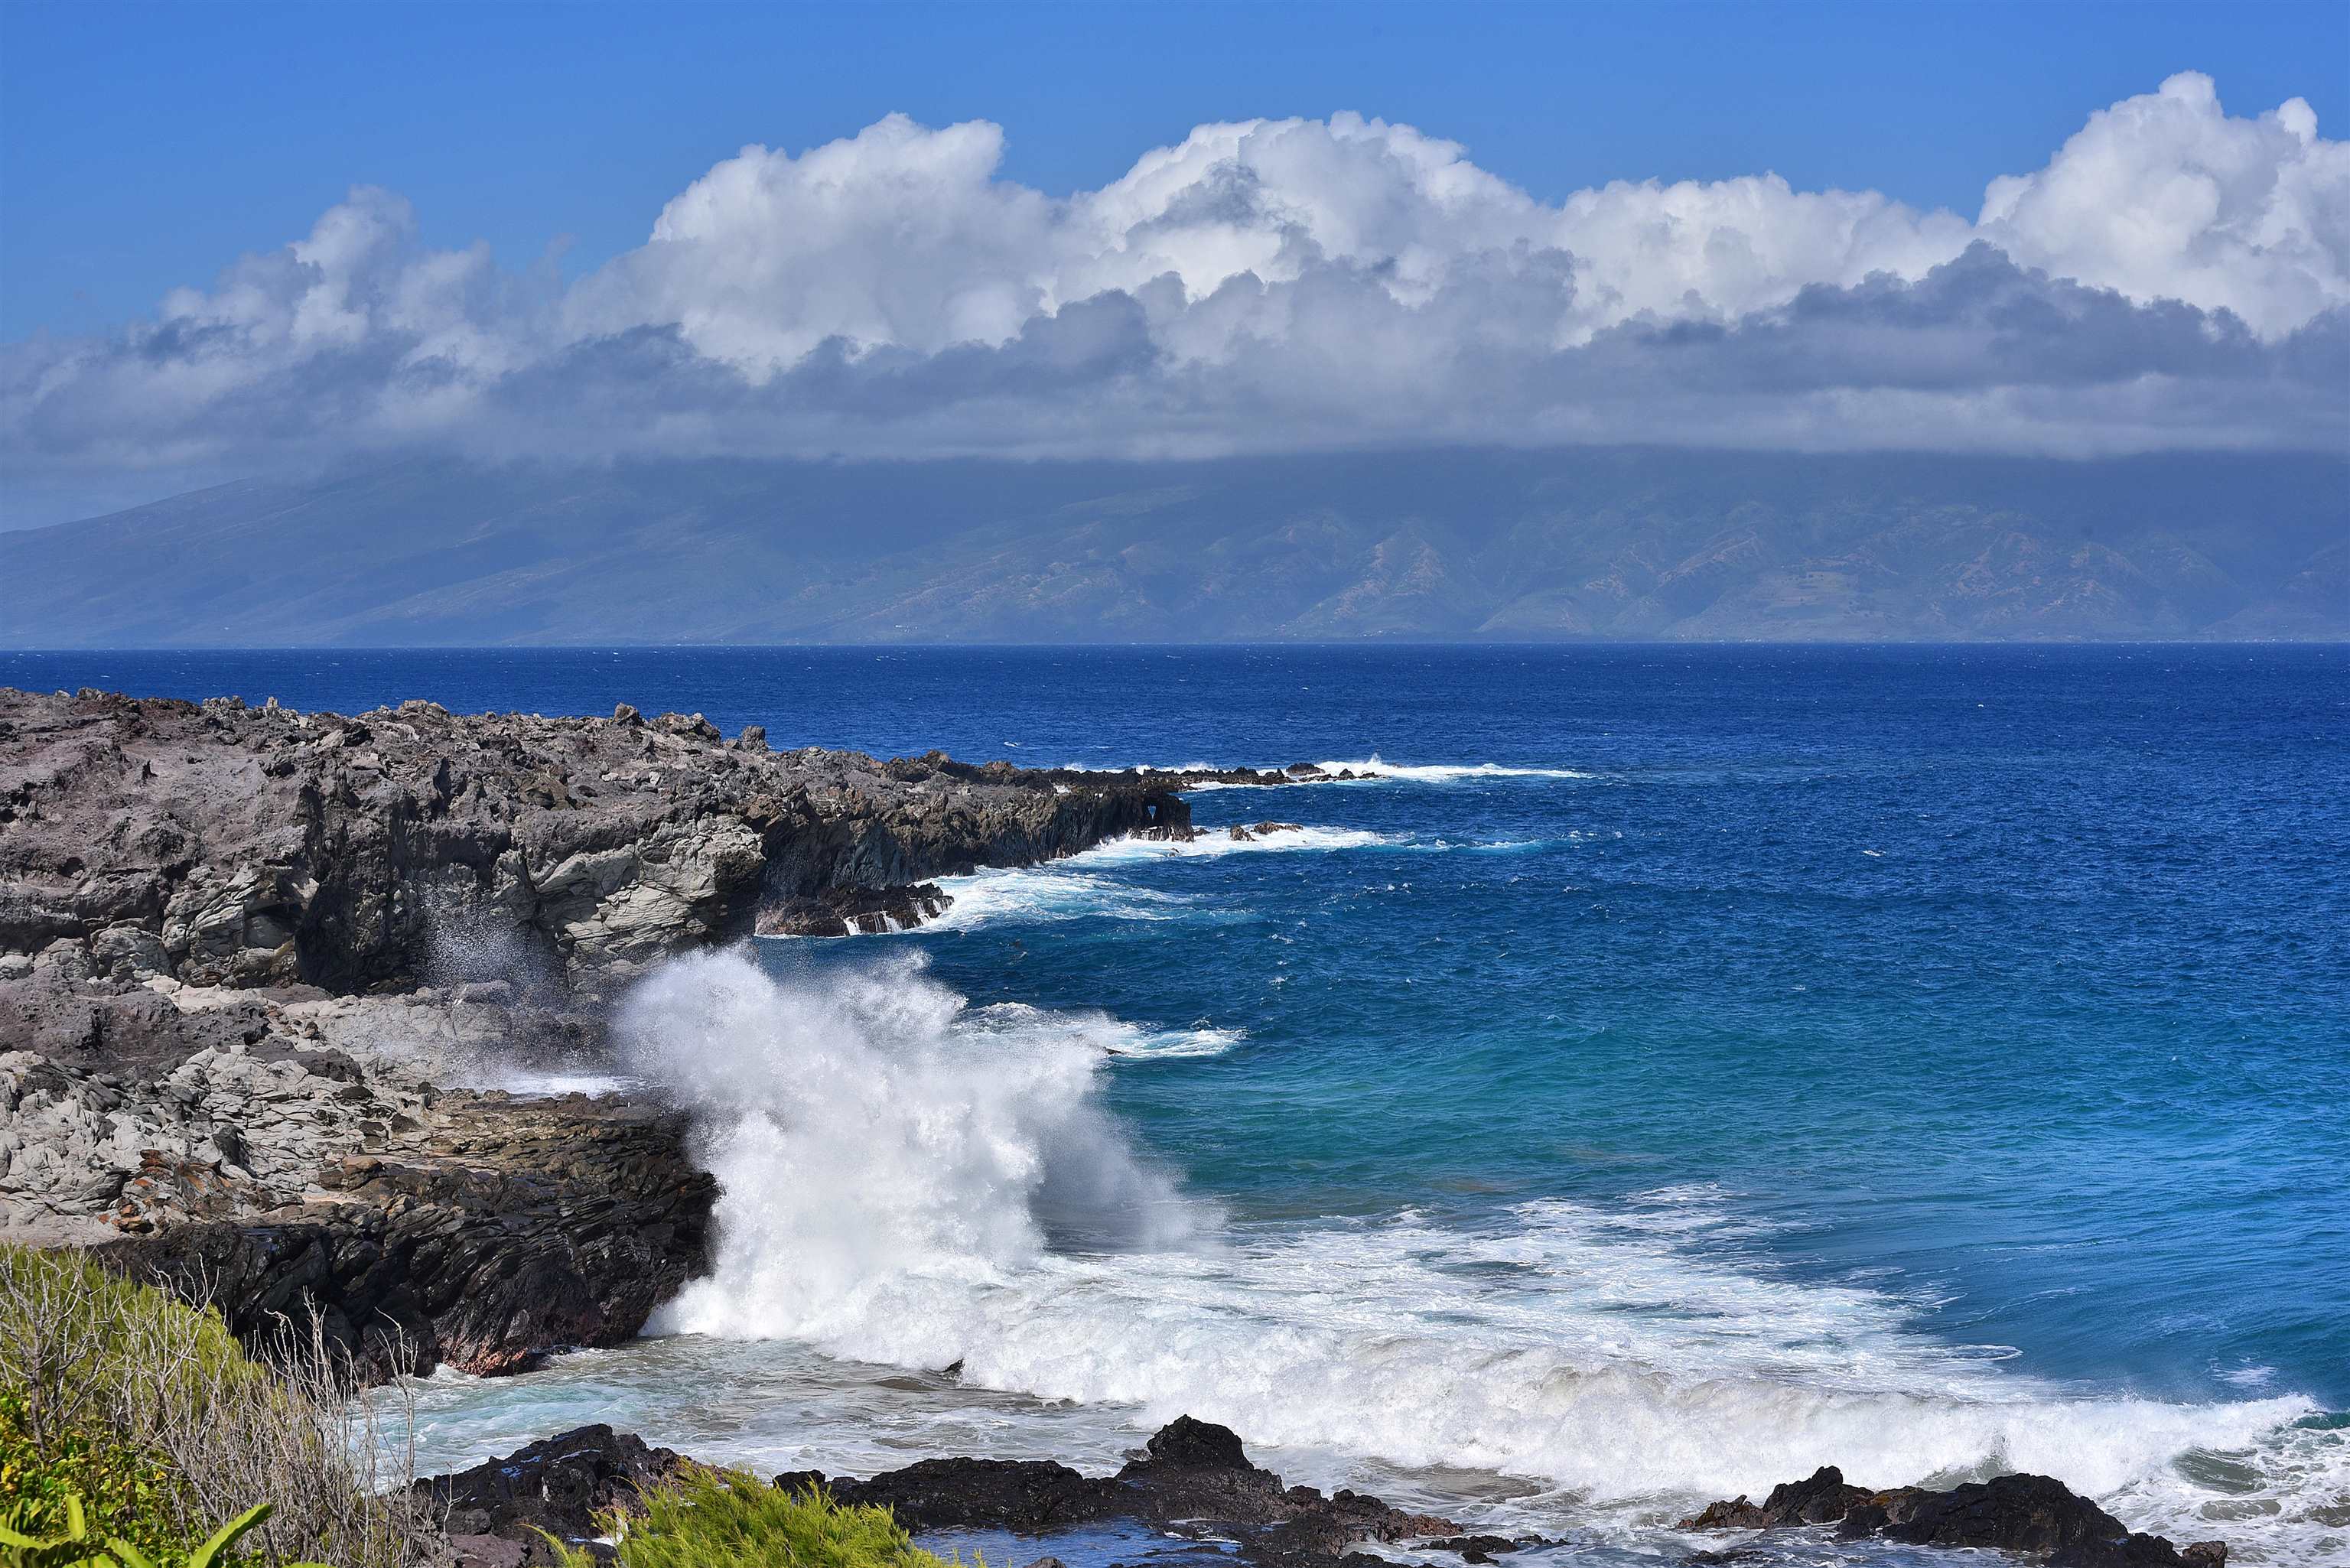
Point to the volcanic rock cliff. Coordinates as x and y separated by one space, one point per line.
239 946
220 844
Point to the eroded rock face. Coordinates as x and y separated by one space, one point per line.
503 1231
272 1152
2021 1513
218 843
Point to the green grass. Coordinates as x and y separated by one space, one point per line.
135 1431
724 1518
70 1335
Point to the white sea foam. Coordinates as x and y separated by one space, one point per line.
948 1134
1213 842
1142 768
912 1182
541 1083
1376 767
1058 891
1373 769
1017 1028
1076 888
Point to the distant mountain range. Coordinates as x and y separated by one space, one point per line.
1640 544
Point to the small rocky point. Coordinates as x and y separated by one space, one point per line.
2028 1514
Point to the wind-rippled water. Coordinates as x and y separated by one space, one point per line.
1686 1066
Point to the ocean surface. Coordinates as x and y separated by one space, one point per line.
1681 1068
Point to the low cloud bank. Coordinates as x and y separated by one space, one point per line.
2173 277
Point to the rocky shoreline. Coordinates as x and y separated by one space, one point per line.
244 952
1193 1481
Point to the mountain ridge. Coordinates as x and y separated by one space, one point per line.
1601 544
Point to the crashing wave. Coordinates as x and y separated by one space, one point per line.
913 1182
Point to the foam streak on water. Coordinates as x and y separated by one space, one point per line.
1367 770
1374 767
913 1182
1084 887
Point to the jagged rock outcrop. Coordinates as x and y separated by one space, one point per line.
503 1231
2030 1515
495 1510
222 1142
220 844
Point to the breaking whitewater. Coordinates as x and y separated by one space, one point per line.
939 1235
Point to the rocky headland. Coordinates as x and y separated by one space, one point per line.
220 844
245 952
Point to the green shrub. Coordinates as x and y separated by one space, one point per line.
68 1334
142 1414
77 1548
726 1518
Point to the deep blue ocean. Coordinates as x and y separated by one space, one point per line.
1686 1065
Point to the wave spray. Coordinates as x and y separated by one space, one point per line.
912 1181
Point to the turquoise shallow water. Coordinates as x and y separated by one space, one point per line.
1936 1053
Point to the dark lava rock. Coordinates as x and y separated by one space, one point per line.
1739 1513
1477 1548
1030 1497
228 845
558 1485
2028 1513
115 1026
513 1230
1193 1478
1193 1470
1822 1498
2021 1514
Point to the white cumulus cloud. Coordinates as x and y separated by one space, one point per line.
2172 275
2166 197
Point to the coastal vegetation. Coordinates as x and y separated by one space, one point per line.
707 1518
133 1427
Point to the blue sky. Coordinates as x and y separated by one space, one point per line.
148 146
257 239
